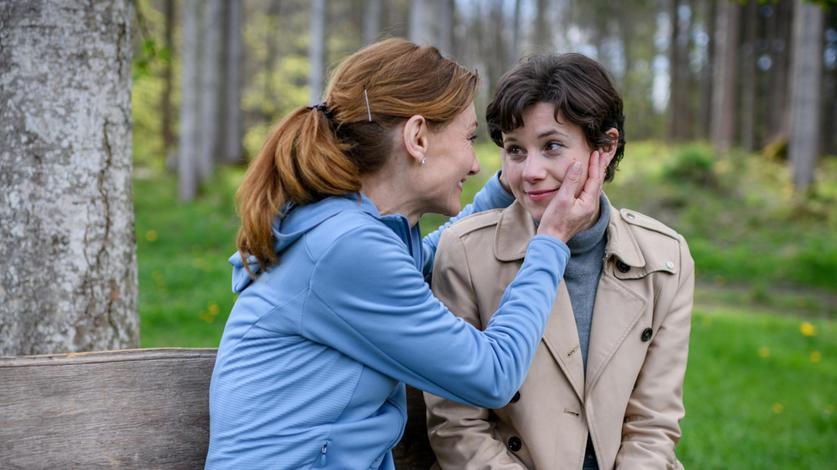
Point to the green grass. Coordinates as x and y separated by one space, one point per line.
759 394
766 261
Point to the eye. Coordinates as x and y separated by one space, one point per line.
515 152
472 139
553 146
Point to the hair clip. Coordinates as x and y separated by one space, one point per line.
368 109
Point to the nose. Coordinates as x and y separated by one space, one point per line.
475 166
534 169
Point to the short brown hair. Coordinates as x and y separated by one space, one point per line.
322 151
579 87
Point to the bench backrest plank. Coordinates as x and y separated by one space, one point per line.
131 409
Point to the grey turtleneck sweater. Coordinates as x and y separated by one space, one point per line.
582 273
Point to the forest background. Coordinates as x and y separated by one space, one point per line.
732 136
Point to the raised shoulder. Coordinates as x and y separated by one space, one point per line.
636 219
475 222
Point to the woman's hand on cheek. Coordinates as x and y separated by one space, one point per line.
566 214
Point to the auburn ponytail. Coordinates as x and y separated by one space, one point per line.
301 161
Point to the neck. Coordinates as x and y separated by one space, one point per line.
391 195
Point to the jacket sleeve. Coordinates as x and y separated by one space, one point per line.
491 196
368 301
461 435
651 428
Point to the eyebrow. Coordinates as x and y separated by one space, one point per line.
540 136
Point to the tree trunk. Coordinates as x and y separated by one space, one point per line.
316 51
543 41
723 88
749 77
676 82
166 108
445 10
806 67
710 12
779 71
421 22
516 44
210 88
371 21
231 117
68 277
187 149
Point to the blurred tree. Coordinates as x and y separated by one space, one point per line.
210 89
709 12
749 83
421 21
166 107
317 50
68 278
187 148
778 37
371 21
446 14
230 116
543 39
806 70
724 79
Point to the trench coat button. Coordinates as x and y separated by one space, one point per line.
646 334
515 443
515 398
670 264
622 267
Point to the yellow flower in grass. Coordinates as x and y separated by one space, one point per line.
764 351
807 329
816 356
778 408
151 235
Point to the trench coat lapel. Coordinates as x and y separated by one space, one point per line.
618 306
514 231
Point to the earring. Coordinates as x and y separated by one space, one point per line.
423 161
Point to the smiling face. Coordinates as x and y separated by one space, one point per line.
539 153
449 160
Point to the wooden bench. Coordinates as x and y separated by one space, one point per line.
131 409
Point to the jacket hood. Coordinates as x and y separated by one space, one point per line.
294 222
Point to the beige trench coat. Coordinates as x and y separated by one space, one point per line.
630 399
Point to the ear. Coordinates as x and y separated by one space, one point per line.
415 137
610 150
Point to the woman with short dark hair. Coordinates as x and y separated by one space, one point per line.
334 314
605 387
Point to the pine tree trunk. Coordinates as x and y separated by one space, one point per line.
445 10
806 68
68 273
676 88
187 148
723 88
707 72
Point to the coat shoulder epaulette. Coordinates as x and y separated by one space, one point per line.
637 219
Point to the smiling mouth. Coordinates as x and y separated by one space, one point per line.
541 195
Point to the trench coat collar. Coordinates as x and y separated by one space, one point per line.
516 227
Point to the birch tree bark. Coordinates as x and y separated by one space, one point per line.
67 250
210 90
806 68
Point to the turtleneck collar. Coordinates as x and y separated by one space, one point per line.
586 240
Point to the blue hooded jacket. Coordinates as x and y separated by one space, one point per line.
311 368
